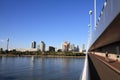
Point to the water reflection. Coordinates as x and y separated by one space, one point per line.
32 61
0 59
37 68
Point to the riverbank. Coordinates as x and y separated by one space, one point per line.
42 54
1 55
61 56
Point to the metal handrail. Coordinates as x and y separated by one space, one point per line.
85 72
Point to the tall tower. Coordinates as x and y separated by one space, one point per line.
33 44
7 43
42 46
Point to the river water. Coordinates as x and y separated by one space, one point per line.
37 68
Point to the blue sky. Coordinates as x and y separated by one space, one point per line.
51 21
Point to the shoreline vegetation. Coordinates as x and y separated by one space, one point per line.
42 54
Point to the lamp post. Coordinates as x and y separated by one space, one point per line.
94 15
90 27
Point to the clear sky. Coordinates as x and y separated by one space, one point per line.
51 21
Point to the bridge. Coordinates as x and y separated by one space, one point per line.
105 39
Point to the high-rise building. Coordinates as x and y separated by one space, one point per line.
51 49
72 47
42 46
65 46
33 44
83 48
77 48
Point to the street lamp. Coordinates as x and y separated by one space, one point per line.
94 14
90 27
90 30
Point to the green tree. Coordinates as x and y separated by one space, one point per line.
1 50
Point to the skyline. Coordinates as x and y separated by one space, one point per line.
51 21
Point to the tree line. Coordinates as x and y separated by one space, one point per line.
19 53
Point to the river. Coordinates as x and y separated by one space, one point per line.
40 68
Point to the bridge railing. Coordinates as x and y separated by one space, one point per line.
85 72
109 11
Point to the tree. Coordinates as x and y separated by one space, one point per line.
1 50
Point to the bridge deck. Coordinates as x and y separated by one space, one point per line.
100 69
